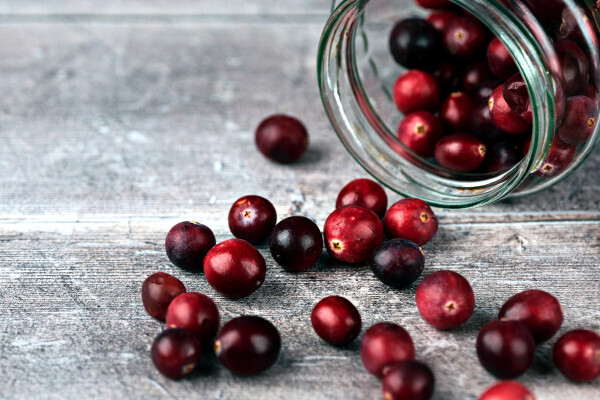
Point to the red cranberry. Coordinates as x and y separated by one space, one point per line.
579 120
415 43
559 157
499 59
574 66
416 90
196 313
485 90
187 243
296 243
398 262
460 152
365 193
336 320
475 75
158 290
464 37
505 348
456 111
176 352
445 299
383 345
234 268
410 219
502 156
538 310
252 218
440 19
577 355
419 131
483 127
281 138
433 4
352 233
408 380
503 116
516 95
248 345
507 390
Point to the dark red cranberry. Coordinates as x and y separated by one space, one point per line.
485 90
502 156
507 390
383 345
445 299
460 152
503 116
446 75
158 290
499 59
296 243
336 320
352 233
234 268
408 380
526 145
410 219
433 4
456 111
516 95
419 131
248 345
196 313
365 193
538 310
590 91
416 90
397 262
505 348
483 127
474 76
548 12
577 355
415 43
579 120
281 138
574 66
558 159
464 37
440 19
176 352
187 243
252 218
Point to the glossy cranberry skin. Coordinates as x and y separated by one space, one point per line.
158 290
410 219
538 310
416 90
383 345
474 76
516 95
440 19
456 111
499 59
419 131
234 268
176 352
503 156
507 390
505 348
464 37
196 313
445 299
559 157
187 243
415 43
248 345
397 262
483 127
460 152
365 193
336 320
411 380
503 116
252 218
577 355
281 138
433 4
352 233
296 243
579 120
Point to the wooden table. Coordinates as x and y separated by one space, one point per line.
120 119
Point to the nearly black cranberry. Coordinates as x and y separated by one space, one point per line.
187 243
365 193
503 116
499 59
336 320
464 37
408 380
397 262
176 352
440 19
474 76
196 313
415 43
577 355
507 390
416 90
252 218
516 95
456 111
296 243
158 290
446 75
281 138
460 152
579 120
383 345
558 159
483 127
410 219
419 131
503 156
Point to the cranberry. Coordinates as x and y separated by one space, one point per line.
415 43
419 131
365 193
499 59
281 138
548 12
195 312
440 19
502 115
590 91
505 348
485 90
416 90
460 152
187 243
464 37
516 96
296 243
408 380
383 345
538 310
526 145
502 156
252 218
456 111
176 352
446 75
577 355
352 233
579 120
234 268
559 157
507 390
336 320
410 219
433 4
574 66
398 262
158 290
475 75
248 345
482 125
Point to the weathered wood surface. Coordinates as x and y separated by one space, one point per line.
114 131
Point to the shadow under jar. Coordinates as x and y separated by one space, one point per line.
357 71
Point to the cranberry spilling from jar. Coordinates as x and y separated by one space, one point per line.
365 193
158 291
408 380
383 345
410 219
336 320
176 352
187 243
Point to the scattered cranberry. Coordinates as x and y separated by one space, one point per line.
516 95
507 390
559 157
410 380
485 90
383 345
483 127
460 152
502 156
456 111
410 219
415 43
579 120
365 193
158 290
505 348
433 4
416 90
440 19
234 268
296 243
503 116
397 262
464 37
577 355
187 243
252 218
419 131
196 313
176 352
281 138
499 59
446 76
475 75
336 320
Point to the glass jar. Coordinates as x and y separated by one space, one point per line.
356 74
